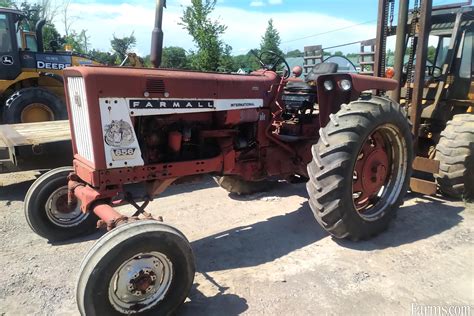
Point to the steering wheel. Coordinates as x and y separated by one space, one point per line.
275 61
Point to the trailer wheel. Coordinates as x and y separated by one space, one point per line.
361 168
46 209
455 153
144 267
237 185
33 105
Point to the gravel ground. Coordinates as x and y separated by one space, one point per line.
261 255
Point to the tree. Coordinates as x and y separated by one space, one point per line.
338 53
294 53
122 46
7 3
431 53
174 57
206 35
270 42
105 58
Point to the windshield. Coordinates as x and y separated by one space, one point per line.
5 39
343 64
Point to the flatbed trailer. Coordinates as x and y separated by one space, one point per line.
35 146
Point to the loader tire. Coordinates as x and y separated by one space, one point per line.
33 105
361 168
46 208
236 185
455 152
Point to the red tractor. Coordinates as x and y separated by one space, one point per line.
161 127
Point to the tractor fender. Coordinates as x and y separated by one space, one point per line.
330 101
362 83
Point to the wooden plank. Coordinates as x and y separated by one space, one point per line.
11 137
423 186
37 133
426 165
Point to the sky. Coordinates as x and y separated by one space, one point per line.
299 22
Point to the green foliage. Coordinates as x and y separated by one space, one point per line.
7 3
338 53
78 41
32 13
206 34
295 53
50 34
105 58
270 42
247 62
173 57
431 53
122 46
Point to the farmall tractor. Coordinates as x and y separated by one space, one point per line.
161 127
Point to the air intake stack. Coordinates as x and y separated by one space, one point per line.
157 35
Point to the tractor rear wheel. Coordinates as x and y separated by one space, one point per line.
237 185
47 212
455 152
361 168
143 267
31 105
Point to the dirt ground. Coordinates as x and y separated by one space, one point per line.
261 255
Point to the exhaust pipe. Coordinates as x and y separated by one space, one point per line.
157 35
39 34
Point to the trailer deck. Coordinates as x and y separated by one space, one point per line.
32 146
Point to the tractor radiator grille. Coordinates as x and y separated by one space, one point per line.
80 117
155 86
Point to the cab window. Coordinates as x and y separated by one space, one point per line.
466 68
5 39
31 44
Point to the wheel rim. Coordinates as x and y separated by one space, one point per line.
60 214
36 112
379 172
141 282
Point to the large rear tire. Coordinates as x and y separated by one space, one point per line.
455 152
141 268
33 105
361 168
46 209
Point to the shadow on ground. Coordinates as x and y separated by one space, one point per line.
255 244
200 304
427 217
15 191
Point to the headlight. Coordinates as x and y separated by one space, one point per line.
328 85
345 84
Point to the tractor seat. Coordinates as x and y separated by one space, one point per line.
318 70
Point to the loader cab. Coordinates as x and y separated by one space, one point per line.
10 66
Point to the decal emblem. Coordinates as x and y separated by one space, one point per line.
118 134
7 60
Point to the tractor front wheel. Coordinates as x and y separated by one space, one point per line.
47 211
31 105
361 168
144 267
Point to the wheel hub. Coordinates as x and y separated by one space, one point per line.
36 112
371 171
374 171
60 213
141 282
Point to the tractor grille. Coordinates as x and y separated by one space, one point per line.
80 117
155 86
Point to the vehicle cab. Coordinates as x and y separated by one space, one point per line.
15 38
